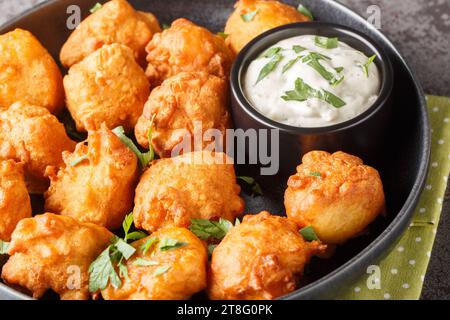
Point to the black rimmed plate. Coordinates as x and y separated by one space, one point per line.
403 163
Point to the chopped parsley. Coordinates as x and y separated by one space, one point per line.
250 181
223 35
326 43
4 246
269 53
148 244
313 60
315 174
205 229
365 67
249 16
305 11
309 234
96 7
161 270
145 263
303 92
169 244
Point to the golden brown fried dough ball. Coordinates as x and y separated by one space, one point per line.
54 252
28 72
334 193
186 47
262 258
195 185
177 273
115 22
269 14
33 136
107 87
181 104
14 199
97 185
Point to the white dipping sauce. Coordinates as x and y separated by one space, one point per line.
356 89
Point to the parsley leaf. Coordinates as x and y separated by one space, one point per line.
211 248
249 16
4 246
326 43
290 64
269 67
313 60
150 155
256 188
102 271
315 174
205 229
303 92
309 234
303 10
148 244
96 7
125 249
165 26
161 270
269 53
169 244
145 263
78 160
223 35
120 133
365 66
298 49
136 235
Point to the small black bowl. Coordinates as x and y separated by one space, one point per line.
362 136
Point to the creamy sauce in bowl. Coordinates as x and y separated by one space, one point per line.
310 81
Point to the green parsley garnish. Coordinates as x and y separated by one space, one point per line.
269 67
211 248
222 35
95 8
269 53
145 263
256 188
247 17
298 49
165 26
365 66
4 246
315 174
144 158
102 271
309 234
148 244
313 60
303 10
78 160
161 270
205 229
327 43
150 155
169 244
290 64
303 92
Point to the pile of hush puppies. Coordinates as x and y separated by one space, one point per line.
124 71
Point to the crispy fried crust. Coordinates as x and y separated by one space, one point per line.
115 22
262 258
186 273
14 199
270 14
182 103
31 135
186 47
194 185
340 203
99 189
28 72
107 87
54 252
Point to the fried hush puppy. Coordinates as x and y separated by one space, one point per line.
14 199
260 259
54 252
186 47
97 184
195 185
32 135
179 107
107 87
28 72
268 14
336 194
158 273
115 22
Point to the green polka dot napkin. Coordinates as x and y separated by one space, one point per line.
400 275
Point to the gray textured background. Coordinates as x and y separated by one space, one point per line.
421 31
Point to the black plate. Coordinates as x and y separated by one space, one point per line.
403 163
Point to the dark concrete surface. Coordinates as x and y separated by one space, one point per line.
421 31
